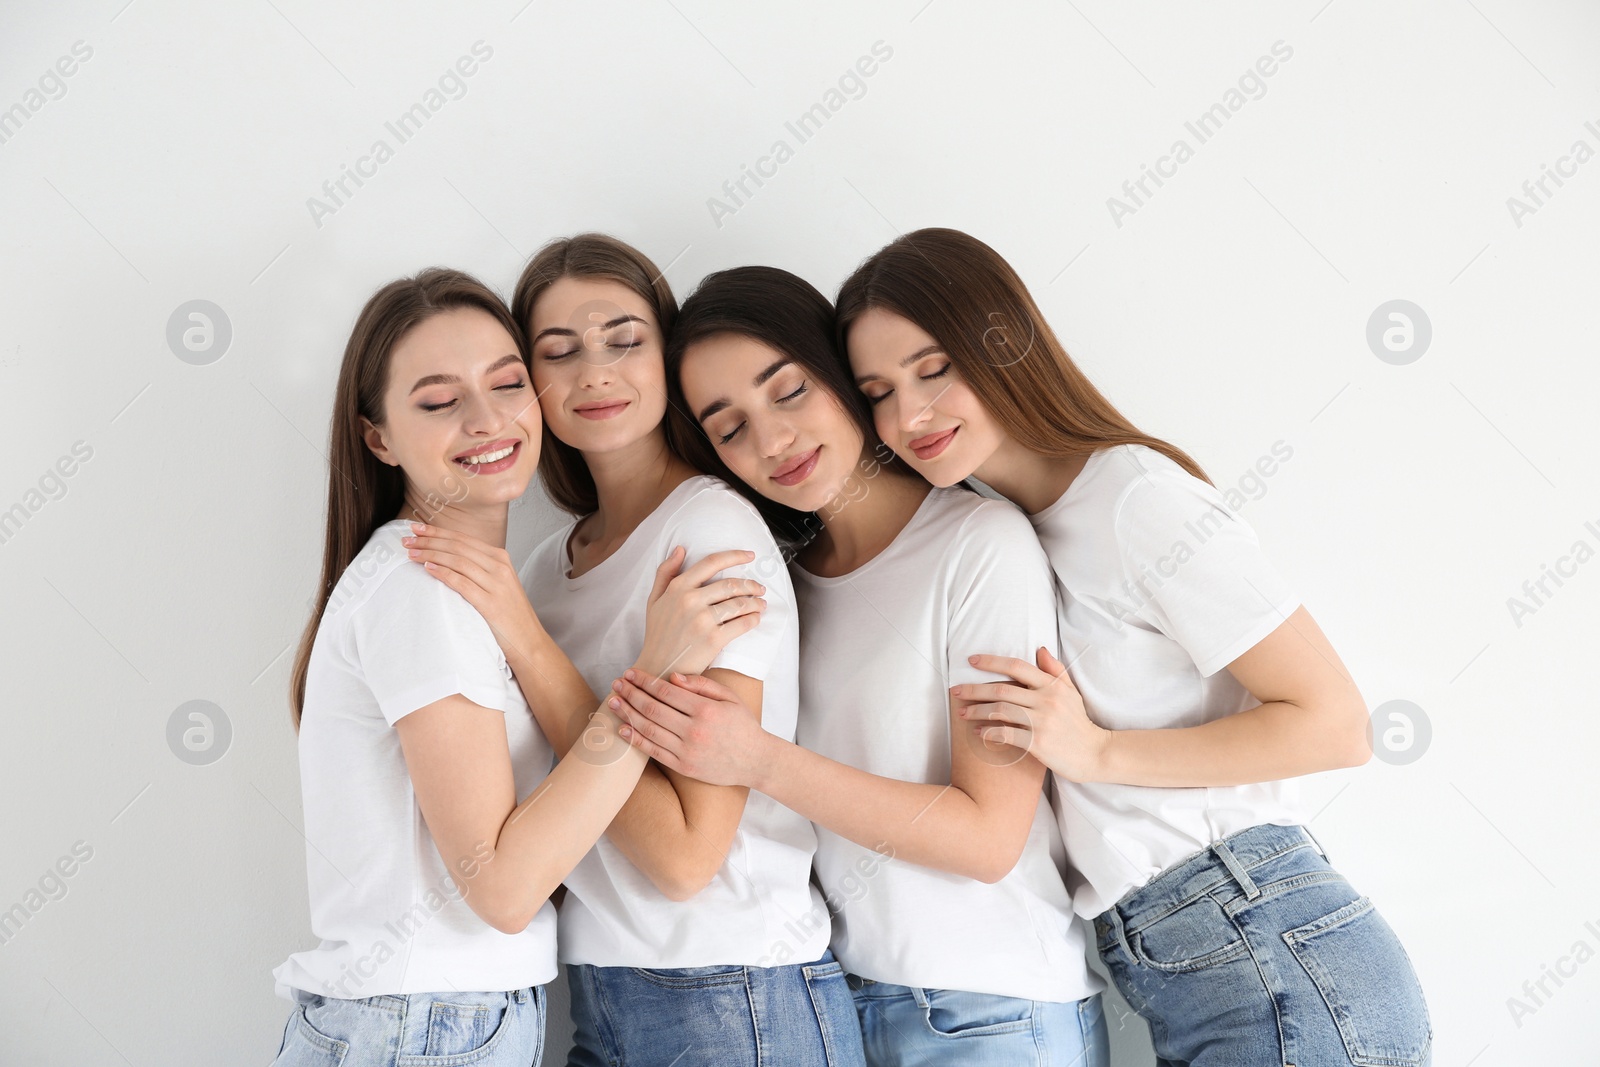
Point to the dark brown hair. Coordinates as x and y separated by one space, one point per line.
968 299
787 314
562 468
364 492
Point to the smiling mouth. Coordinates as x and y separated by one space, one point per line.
797 469
604 409
933 444
491 461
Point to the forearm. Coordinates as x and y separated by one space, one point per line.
938 826
543 837
1265 743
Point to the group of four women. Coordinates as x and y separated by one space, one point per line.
787 708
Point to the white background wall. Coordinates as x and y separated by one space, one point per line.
1227 313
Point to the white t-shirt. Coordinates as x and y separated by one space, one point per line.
1160 586
755 909
389 912
879 649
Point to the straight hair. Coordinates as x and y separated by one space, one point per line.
566 476
787 314
364 492
961 292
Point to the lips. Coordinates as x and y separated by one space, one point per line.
491 458
601 409
798 469
931 445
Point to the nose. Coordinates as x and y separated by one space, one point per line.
913 411
772 435
479 416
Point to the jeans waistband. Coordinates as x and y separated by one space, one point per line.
1228 860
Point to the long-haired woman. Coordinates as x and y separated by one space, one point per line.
689 929
435 825
1204 682
938 856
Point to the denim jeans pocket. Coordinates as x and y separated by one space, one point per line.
1195 936
691 977
1364 975
307 1046
955 1013
463 1028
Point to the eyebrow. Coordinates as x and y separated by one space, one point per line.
562 331
760 379
451 379
925 350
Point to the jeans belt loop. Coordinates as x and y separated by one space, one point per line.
1121 931
1235 868
520 995
1314 840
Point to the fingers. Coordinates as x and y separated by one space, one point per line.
660 701
485 554
667 571
725 589
1001 714
706 687
635 737
1019 669
1004 735
728 610
1049 664
703 569
976 691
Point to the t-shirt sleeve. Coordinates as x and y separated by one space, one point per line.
418 641
1196 570
1002 594
715 522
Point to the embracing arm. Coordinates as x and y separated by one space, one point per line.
1311 718
508 857
675 830
976 826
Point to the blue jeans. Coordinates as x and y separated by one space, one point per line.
796 1016
417 1030
909 1025
1257 953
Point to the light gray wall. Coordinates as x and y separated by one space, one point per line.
1227 311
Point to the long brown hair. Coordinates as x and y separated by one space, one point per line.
364 492
562 468
968 299
787 314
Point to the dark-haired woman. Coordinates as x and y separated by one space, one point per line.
1204 682
429 879
689 928
939 860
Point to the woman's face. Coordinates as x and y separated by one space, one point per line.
597 364
785 436
459 412
920 406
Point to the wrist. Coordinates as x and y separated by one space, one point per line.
1103 756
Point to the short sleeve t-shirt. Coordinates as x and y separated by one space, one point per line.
1160 586
758 908
880 647
388 911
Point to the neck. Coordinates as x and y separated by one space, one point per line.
487 523
631 482
856 530
1029 480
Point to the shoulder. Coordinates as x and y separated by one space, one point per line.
981 528
707 503
1150 488
546 559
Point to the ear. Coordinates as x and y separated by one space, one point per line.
373 436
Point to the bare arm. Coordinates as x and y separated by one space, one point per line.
507 856
676 830
976 826
1311 718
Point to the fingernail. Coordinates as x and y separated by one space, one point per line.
414 553
614 702
625 731
408 540
628 674
419 526
972 659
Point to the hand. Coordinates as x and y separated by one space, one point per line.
691 725
689 618
483 575
1043 714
